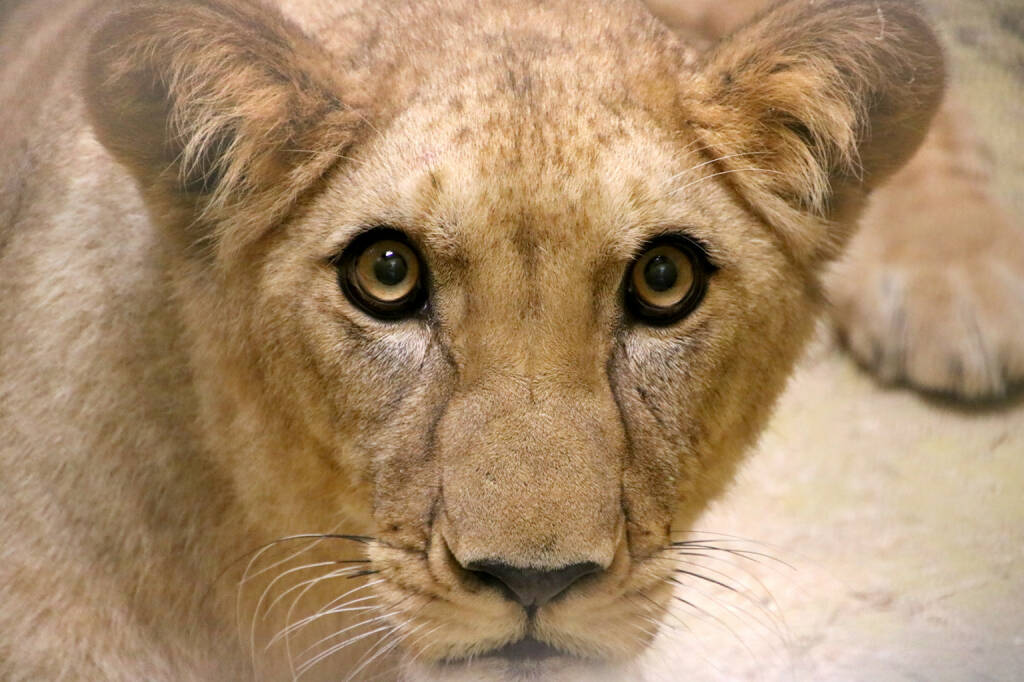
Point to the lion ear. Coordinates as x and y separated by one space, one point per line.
219 105
813 104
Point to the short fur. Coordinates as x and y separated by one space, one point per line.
183 381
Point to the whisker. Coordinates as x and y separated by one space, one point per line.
704 577
775 612
266 614
719 536
336 633
773 624
283 574
424 636
383 650
748 554
689 145
258 552
650 633
721 623
293 627
639 639
761 631
725 172
304 586
716 160
387 674
256 555
665 614
347 609
315 537
262 548
666 611
363 573
308 665
339 602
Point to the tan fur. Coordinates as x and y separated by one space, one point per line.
183 381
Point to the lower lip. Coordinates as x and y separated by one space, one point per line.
525 650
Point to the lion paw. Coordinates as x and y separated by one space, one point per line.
954 328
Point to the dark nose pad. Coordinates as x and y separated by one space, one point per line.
530 587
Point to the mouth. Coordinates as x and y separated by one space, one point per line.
523 652
529 660
526 650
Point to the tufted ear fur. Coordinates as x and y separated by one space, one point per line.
815 103
220 107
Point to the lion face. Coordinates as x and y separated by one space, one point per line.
514 308
522 415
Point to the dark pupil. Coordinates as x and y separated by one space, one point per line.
660 273
390 268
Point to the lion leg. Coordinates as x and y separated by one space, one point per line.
931 292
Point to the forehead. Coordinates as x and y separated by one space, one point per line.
526 154
534 123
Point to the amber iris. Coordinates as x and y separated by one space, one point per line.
667 281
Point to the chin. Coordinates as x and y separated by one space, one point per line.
519 662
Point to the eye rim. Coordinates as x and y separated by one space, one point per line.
346 264
702 269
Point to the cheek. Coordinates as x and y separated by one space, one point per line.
655 392
343 376
663 381
371 382
372 402
694 403
399 444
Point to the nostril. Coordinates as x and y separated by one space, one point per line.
532 587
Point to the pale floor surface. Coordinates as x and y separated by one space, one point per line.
901 524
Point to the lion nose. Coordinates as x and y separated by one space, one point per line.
532 587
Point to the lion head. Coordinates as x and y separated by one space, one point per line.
507 288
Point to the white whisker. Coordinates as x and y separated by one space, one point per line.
726 172
415 656
332 574
336 633
384 649
305 586
293 627
315 538
708 163
308 665
245 578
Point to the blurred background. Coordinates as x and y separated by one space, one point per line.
986 45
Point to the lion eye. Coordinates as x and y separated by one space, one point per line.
381 274
667 281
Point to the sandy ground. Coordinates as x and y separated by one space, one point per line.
888 528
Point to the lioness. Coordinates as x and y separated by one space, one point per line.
357 339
